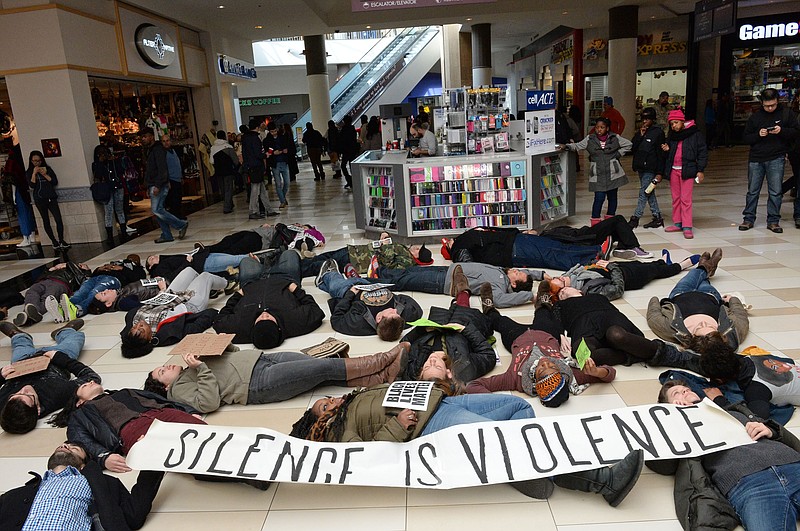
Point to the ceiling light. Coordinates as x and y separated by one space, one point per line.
565 12
259 27
221 7
369 27
469 19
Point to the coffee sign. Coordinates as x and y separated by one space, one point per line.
155 46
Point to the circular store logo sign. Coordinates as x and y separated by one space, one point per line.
155 45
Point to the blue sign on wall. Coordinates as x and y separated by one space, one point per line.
540 100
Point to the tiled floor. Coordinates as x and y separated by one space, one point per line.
760 265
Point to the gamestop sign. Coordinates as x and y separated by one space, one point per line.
780 30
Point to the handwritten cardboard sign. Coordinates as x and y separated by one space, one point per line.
203 344
29 366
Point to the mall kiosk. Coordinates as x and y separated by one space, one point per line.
527 185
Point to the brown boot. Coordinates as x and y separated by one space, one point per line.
383 367
705 263
716 256
459 282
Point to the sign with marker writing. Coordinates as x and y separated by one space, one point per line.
408 395
460 456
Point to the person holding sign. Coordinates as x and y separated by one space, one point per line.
755 484
606 174
255 377
172 315
362 416
25 398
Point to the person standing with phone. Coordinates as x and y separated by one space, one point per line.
770 132
42 179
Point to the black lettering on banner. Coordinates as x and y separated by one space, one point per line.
408 469
199 453
623 428
186 433
213 466
297 466
427 466
693 427
315 469
479 471
546 443
504 451
566 447
252 449
592 440
655 409
346 464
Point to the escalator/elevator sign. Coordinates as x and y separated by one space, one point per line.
378 5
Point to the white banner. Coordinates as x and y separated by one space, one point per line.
460 456
540 132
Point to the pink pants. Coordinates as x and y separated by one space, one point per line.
681 199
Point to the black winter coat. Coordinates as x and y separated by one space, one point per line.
349 315
493 246
297 313
169 265
115 507
695 153
156 171
647 153
770 147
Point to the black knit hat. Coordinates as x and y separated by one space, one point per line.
267 334
424 257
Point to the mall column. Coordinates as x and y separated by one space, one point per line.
481 55
623 29
319 94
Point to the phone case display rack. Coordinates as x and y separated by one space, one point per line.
553 187
476 121
379 183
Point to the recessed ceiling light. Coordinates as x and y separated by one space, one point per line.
369 27
221 7
469 19
565 12
259 27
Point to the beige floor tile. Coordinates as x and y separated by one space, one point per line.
373 519
661 525
468 496
299 496
275 419
506 516
638 392
183 493
42 445
208 521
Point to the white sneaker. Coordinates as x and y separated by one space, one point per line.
32 237
54 312
25 242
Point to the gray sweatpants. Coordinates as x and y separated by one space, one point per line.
37 293
201 284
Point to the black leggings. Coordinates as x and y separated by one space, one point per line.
51 206
620 347
638 274
242 242
509 329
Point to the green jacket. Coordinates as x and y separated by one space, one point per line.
665 320
218 380
368 420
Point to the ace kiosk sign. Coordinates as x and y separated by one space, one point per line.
540 121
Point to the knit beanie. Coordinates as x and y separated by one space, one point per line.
552 389
676 114
267 334
424 257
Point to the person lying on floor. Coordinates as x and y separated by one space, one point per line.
266 237
256 377
175 313
357 312
200 260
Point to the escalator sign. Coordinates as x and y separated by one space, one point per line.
378 5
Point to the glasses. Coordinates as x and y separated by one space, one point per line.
770 105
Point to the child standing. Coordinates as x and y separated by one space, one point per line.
687 157
605 171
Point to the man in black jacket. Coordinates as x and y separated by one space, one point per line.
348 149
226 166
157 180
770 132
648 159
27 398
83 491
266 312
253 167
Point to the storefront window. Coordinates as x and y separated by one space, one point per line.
759 68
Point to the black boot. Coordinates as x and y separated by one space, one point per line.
10 329
123 232
110 235
633 222
541 489
657 222
613 483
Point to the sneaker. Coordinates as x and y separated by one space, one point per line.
182 232
75 324
641 253
673 228
305 252
54 313
20 319
633 222
33 314
68 310
656 222
162 240
327 266
605 248
372 271
666 256
254 216
624 254
233 285
199 245
487 298
350 271
272 214
543 295
64 245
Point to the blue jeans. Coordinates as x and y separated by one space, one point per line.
91 287
68 341
27 223
468 409
428 279
768 500
773 171
310 267
597 205
281 175
164 218
695 280
645 178
336 285
540 251
216 262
